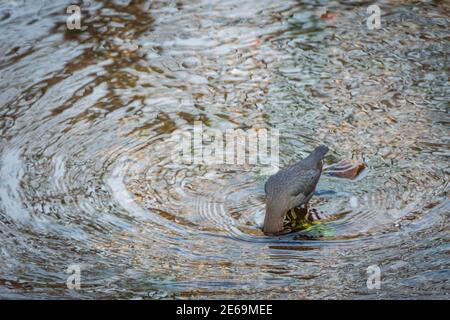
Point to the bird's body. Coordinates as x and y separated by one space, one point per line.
290 188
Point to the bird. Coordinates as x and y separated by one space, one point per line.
290 188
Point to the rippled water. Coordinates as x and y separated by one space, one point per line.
87 178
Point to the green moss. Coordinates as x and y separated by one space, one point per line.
296 220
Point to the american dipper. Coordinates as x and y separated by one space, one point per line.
290 188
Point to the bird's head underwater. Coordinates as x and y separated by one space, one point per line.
290 188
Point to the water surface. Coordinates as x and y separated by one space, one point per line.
87 178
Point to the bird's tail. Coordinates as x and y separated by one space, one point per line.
319 152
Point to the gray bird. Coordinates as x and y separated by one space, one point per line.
290 188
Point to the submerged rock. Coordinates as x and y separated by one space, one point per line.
346 169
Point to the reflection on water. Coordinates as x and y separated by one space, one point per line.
86 175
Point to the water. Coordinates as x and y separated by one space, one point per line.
86 176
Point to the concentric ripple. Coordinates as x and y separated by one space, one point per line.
88 177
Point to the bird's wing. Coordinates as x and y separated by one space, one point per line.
299 200
304 182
